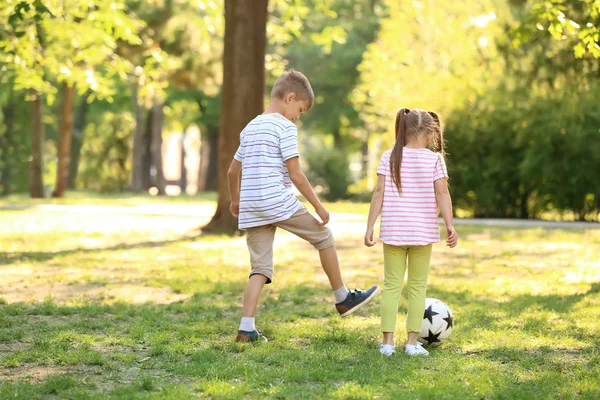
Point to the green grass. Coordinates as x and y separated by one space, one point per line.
114 199
134 307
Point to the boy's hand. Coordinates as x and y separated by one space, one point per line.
452 237
323 214
369 242
234 208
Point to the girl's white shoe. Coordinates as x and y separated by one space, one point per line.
386 349
415 350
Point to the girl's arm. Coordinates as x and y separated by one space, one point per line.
444 202
374 210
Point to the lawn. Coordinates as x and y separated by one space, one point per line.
99 305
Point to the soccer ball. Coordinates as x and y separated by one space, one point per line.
437 323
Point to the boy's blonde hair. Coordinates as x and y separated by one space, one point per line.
293 82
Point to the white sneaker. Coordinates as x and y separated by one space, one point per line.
417 350
386 349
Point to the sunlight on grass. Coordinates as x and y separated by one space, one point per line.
133 306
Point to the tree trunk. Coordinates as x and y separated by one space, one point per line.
36 168
139 144
243 90
183 173
156 146
64 141
77 140
364 162
209 151
6 143
338 143
147 156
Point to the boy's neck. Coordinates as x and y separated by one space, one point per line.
275 107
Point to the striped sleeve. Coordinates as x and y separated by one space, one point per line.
384 165
239 154
440 170
288 143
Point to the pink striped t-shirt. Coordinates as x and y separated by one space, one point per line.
410 218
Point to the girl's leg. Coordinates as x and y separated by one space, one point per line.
395 266
418 272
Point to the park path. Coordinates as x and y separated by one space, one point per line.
206 211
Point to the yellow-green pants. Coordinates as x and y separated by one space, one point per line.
395 259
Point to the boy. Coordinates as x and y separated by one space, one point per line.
268 162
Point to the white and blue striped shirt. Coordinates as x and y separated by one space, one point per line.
266 196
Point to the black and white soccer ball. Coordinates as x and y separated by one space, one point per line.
438 323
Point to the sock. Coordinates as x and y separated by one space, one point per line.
341 294
247 324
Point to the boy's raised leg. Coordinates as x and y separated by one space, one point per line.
331 266
346 301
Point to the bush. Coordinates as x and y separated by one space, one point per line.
329 168
519 154
105 156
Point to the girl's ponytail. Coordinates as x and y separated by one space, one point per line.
438 137
396 157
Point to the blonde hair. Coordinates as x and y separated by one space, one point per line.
293 82
410 123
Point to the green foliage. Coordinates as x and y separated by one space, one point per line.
328 167
518 154
51 41
328 52
106 153
574 21
427 57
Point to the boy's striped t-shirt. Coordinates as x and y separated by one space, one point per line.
266 196
410 218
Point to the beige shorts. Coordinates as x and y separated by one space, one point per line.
302 224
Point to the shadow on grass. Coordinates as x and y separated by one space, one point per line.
480 313
41 256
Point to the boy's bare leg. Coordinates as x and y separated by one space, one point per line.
331 266
252 293
346 301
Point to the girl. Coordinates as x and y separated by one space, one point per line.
412 183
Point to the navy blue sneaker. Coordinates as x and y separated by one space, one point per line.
356 299
250 336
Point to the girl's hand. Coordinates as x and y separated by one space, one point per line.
452 237
369 242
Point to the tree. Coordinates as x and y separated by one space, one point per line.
243 90
577 21
329 51
49 43
77 138
191 34
64 142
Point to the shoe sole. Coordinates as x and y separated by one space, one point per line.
368 299
245 339
242 339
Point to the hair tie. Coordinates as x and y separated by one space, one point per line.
406 110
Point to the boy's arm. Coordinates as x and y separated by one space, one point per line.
303 185
233 178
444 202
374 210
